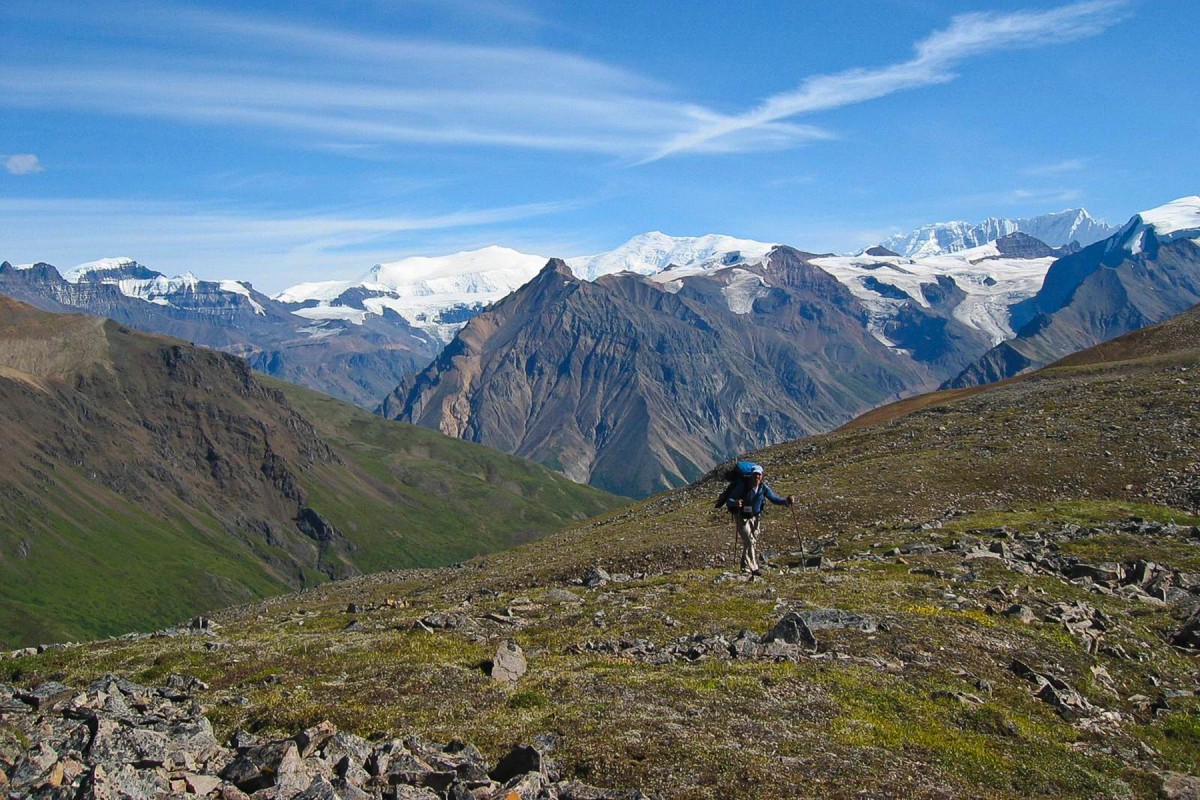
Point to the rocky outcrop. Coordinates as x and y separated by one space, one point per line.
118 739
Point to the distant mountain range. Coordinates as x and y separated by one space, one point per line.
1057 230
1146 272
358 361
638 382
619 349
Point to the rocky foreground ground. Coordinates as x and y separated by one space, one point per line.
116 739
1004 662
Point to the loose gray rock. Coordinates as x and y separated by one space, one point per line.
820 619
596 576
521 760
1189 635
509 663
1021 613
791 629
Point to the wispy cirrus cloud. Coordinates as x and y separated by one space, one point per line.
1064 167
935 59
253 73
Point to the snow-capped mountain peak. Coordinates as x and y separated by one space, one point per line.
486 270
652 252
141 283
102 270
1057 229
1179 219
439 293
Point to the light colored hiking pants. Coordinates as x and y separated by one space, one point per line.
747 530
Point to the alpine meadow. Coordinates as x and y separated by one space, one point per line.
520 400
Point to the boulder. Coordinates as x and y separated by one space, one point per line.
521 760
791 629
596 576
46 694
1107 572
1021 613
561 596
509 663
820 619
1189 635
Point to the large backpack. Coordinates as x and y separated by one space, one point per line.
735 476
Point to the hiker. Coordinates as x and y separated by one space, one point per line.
745 503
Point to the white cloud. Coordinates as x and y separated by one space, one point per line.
356 90
22 164
1063 167
967 35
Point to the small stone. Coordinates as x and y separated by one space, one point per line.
509 663
313 739
596 576
201 784
1021 613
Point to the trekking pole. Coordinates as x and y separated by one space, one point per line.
737 538
796 524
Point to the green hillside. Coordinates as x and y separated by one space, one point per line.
411 497
144 481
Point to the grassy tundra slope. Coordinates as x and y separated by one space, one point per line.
144 480
995 635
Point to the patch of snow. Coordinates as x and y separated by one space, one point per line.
236 287
76 274
653 252
743 289
324 312
992 285
315 290
319 331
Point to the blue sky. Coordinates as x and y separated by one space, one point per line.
282 142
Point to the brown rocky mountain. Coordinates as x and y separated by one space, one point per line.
144 479
637 385
356 363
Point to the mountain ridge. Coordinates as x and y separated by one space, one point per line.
1055 229
120 442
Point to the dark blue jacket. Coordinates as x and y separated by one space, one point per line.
752 499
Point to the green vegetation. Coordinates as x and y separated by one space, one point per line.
410 497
